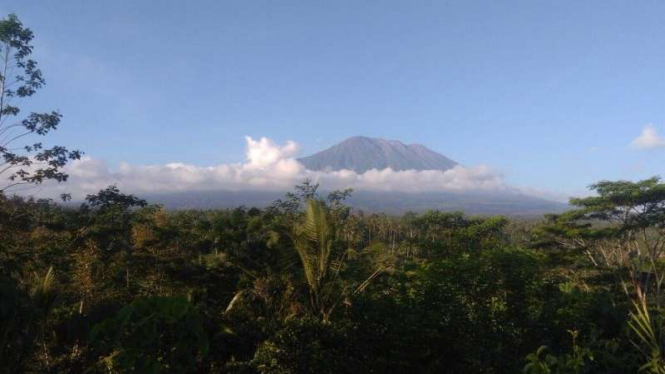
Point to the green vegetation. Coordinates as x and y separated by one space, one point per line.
307 286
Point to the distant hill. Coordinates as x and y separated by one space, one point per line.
474 203
361 154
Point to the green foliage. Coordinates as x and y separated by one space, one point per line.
43 293
16 326
318 290
303 346
650 333
313 241
153 335
623 229
634 204
20 78
541 362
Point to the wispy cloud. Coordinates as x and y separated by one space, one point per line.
648 139
268 167
593 149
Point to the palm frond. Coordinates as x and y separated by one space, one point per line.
44 293
646 329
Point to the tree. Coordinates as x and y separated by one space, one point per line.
314 243
622 228
110 199
22 161
111 212
292 202
322 260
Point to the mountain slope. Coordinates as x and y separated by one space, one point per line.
361 154
509 204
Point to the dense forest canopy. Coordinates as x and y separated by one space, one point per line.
308 285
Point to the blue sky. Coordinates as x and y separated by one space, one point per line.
551 94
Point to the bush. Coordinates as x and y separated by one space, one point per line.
153 335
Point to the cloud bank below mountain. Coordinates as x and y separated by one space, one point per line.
268 167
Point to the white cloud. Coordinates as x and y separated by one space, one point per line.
648 139
268 167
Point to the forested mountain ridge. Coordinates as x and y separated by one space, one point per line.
394 203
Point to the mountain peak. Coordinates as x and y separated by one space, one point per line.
361 153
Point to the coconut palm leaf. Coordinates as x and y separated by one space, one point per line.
44 293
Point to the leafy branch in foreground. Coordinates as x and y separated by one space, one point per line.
24 161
